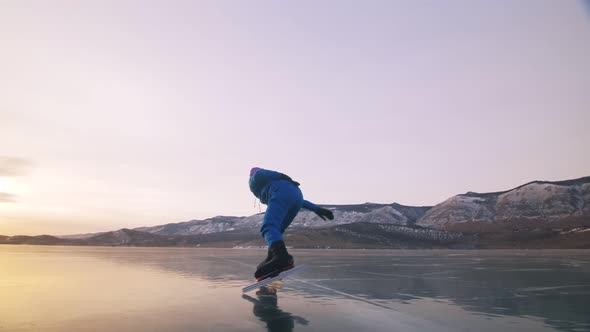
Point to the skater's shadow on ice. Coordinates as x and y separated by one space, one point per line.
267 310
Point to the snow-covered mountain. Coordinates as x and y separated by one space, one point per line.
395 214
559 208
543 201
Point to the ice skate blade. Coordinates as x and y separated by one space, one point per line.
267 281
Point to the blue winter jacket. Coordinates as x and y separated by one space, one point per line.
260 184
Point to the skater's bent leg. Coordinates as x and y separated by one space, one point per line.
295 204
288 219
271 235
273 219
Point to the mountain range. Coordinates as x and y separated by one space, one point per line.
538 214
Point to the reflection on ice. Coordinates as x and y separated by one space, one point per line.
339 290
267 310
496 283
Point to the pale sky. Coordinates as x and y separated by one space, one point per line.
133 113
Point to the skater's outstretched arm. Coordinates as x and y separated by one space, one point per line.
310 206
321 212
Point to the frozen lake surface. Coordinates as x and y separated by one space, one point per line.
180 289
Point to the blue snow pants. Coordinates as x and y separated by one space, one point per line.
285 201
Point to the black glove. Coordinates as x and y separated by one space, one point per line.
325 213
